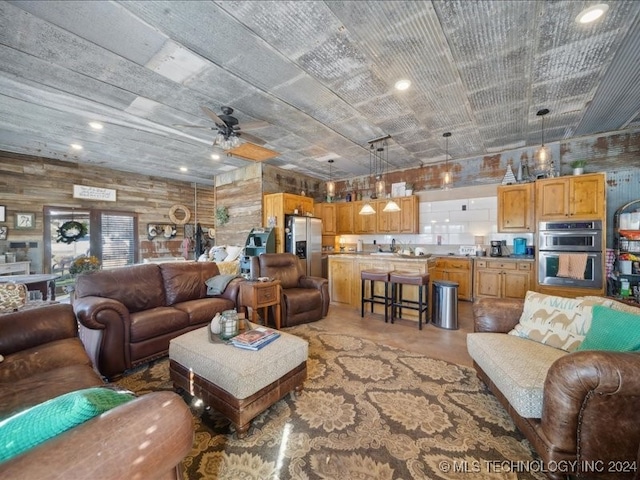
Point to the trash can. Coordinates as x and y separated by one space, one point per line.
444 304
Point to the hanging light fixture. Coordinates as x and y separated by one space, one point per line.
331 185
542 156
447 178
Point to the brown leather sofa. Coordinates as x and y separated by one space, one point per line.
590 420
130 314
44 358
304 299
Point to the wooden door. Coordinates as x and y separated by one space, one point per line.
342 280
363 223
344 218
328 216
515 284
516 208
409 222
552 198
586 196
488 283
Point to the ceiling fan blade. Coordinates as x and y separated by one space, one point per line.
211 114
255 124
251 138
192 126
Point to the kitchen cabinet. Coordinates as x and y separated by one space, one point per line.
363 223
459 270
327 212
344 218
516 208
277 205
341 280
344 277
502 278
579 197
387 222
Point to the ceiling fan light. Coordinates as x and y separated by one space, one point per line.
391 206
367 210
235 141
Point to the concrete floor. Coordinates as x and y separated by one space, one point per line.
449 345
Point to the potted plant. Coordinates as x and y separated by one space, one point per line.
578 166
408 189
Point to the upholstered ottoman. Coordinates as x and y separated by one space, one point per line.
238 383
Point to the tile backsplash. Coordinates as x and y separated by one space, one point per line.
447 224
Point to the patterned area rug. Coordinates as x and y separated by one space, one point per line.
367 411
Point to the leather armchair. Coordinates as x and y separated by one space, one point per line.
304 299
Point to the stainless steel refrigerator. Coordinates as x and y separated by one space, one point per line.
303 236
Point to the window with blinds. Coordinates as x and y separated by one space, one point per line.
118 239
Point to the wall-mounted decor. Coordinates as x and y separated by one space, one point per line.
4 231
25 220
3 213
164 231
183 214
222 215
71 231
94 193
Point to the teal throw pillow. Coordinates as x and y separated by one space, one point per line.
29 428
612 330
217 284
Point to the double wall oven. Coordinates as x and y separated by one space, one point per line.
580 237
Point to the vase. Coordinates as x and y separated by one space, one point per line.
578 171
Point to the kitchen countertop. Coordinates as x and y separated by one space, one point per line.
429 256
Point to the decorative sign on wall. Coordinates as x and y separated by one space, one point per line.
94 193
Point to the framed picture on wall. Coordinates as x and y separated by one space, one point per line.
4 231
25 220
3 213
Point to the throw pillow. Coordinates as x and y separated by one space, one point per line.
219 254
12 296
216 285
233 252
555 321
33 426
612 330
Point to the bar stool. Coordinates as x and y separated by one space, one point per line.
375 276
398 302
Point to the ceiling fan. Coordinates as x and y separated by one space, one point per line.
228 129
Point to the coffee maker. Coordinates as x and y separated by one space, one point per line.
496 248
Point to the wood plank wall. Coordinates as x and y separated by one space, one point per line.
27 184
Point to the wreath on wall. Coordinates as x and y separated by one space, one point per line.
71 231
222 215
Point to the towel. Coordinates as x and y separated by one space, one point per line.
572 265
577 265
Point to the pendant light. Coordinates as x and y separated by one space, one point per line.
331 185
447 179
542 156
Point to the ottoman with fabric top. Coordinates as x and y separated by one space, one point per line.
238 383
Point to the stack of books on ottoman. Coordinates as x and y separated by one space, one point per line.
255 338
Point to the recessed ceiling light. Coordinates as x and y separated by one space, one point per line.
215 156
76 146
183 169
593 13
95 125
402 84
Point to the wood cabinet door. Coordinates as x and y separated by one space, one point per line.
328 216
363 223
515 284
516 208
344 218
461 277
586 196
487 283
291 203
552 198
409 222
342 281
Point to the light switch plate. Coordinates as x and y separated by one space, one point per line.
467 250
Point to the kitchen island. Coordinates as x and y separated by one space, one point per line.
344 275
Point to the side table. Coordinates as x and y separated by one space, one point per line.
261 295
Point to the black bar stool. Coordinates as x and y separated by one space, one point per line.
398 302
375 276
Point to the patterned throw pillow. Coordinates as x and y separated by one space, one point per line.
12 296
556 321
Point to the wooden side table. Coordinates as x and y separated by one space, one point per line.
261 295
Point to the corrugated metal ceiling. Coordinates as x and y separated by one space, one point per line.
321 75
